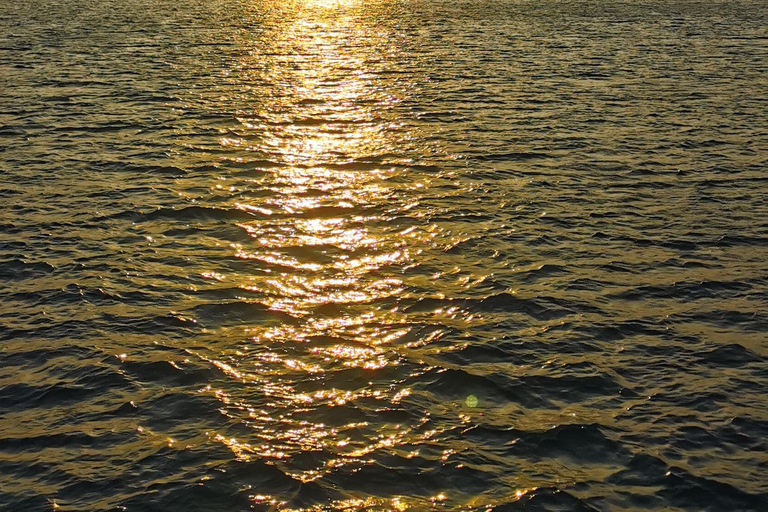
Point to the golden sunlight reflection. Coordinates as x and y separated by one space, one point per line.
330 4
398 504
326 254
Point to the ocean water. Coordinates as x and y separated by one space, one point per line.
347 255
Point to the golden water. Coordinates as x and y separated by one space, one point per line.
387 255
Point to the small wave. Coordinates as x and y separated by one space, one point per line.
19 269
642 470
160 170
686 291
732 354
238 312
531 275
742 320
521 156
200 213
167 372
684 489
545 500
540 308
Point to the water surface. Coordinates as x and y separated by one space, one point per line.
386 255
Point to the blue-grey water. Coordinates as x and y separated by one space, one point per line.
348 255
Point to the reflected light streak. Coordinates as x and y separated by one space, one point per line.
321 201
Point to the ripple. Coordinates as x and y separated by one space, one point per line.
321 255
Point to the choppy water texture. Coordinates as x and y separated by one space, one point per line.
386 255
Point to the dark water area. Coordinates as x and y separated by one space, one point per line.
353 255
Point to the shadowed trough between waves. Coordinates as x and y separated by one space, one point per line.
387 255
